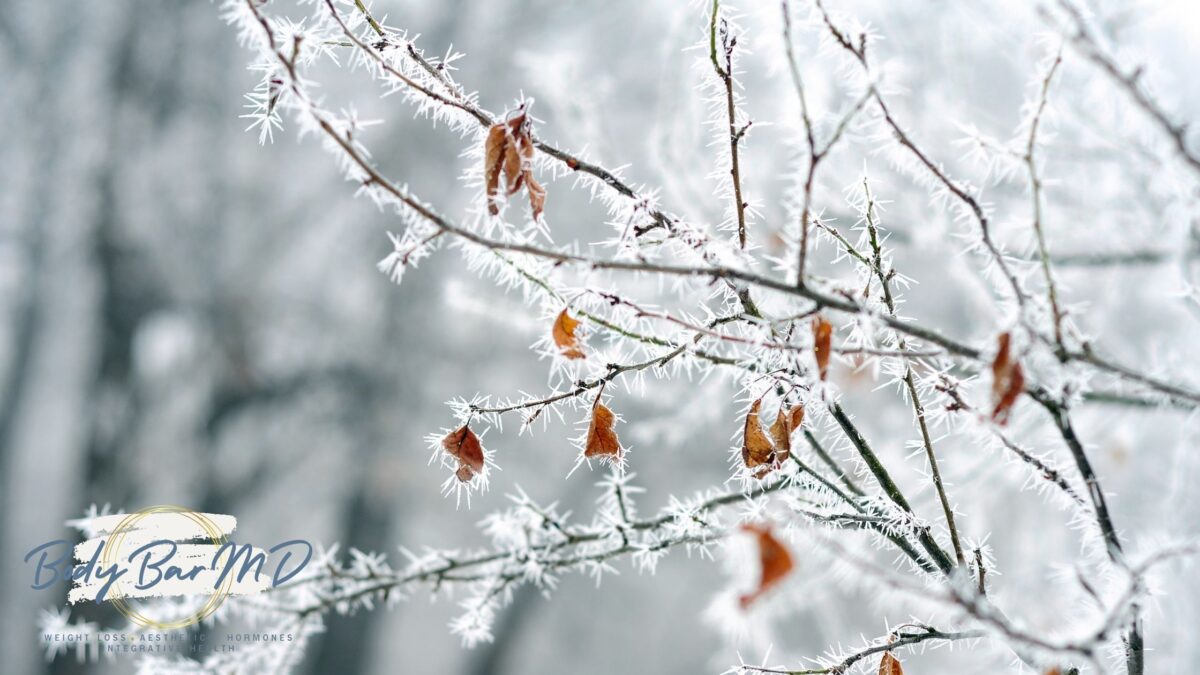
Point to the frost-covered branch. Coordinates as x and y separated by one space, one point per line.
816 152
857 47
1085 40
1035 190
722 43
904 636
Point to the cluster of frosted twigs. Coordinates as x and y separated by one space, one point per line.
662 298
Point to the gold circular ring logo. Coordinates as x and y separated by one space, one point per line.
111 555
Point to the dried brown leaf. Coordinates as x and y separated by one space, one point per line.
757 448
509 152
822 344
797 414
537 195
766 451
786 422
495 151
564 336
463 445
774 559
890 665
601 439
512 168
1008 379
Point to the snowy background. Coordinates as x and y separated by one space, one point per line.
189 318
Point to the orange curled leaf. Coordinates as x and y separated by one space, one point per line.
774 559
1054 671
463 445
785 423
564 336
822 344
797 414
757 448
766 451
512 170
601 439
512 154
1008 380
495 151
890 665
537 195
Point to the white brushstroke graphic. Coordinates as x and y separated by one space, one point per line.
181 559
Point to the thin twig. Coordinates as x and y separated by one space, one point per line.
1130 82
894 640
944 563
728 44
815 154
884 277
1035 189
960 192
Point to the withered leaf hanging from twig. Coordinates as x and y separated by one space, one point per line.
564 336
1008 380
767 452
601 438
463 445
890 665
787 421
758 452
508 152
